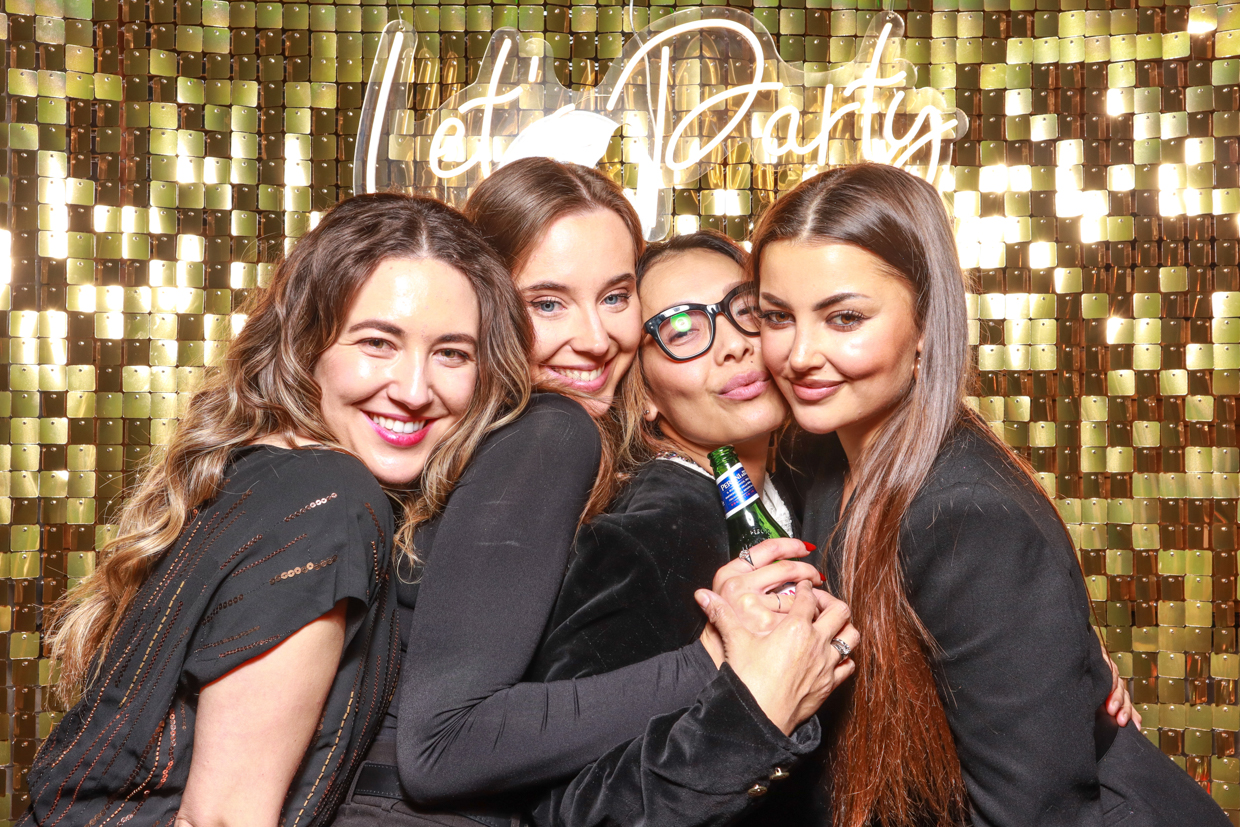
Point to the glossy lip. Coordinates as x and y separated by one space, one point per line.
745 386
399 440
815 390
592 386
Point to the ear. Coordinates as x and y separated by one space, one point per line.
651 414
921 343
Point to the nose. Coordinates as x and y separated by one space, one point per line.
730 344
590 337
805 355
410 384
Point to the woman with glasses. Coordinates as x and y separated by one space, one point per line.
468 725
629 590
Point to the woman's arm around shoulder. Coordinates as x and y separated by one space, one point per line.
992 574
468 725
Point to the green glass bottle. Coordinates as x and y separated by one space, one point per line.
749 523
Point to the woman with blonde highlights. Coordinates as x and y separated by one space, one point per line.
235 649
980 685
473 730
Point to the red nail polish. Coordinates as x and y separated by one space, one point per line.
810 546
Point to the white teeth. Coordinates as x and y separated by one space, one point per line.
398 426
580 375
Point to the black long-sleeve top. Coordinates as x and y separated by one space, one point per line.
470 723
628 595
992 574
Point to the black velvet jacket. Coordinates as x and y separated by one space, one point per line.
628 595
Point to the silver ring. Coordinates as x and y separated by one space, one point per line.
748 558
842 647
779 603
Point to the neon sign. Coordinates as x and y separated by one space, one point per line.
699 89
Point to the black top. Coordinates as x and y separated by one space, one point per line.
627 596
470 723
992 574
290 534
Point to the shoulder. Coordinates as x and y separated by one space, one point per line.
325 482
663 503
979 506
660 486
552 421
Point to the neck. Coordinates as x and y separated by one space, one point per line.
752 453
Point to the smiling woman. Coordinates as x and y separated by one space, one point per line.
235 648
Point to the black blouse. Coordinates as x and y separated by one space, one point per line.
628 596
290 534
471 723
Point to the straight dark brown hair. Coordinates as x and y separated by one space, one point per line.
514 208
893 760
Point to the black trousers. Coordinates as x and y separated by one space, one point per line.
361 810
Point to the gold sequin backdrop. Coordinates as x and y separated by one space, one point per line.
157 156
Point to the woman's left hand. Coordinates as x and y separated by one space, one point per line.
1119 703
749 588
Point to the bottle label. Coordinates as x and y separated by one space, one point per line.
736 489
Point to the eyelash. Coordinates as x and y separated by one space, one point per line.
837 318
622 295
536 304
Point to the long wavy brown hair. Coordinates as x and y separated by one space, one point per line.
893 760
514 208
266 388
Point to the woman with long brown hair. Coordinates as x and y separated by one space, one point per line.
234 650
978 691
469 728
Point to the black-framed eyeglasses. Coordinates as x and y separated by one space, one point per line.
686 331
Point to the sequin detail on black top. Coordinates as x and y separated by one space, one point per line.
292 533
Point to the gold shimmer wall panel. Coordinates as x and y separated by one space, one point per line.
156 156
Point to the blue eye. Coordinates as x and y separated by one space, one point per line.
547 305
616 299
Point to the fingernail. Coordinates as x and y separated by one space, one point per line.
810 546
702 598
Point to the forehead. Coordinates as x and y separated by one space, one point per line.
792 267
417 294
581 251
698 276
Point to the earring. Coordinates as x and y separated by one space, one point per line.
917 366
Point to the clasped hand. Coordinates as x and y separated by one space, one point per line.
778 645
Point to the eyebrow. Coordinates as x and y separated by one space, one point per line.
379 325
829 301
456 339
560 287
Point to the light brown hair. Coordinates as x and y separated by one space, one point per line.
893 760
513 209
266 388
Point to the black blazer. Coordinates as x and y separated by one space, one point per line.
992 574
627 596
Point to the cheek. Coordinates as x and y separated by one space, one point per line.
458 389
547 340
625 329
775 345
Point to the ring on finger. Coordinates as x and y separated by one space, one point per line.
748 558
779 603
842 647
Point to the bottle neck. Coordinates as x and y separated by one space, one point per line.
752 454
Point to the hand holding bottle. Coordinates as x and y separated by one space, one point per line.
754 589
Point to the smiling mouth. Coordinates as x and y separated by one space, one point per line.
582 380
815 392
402 433
399 426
